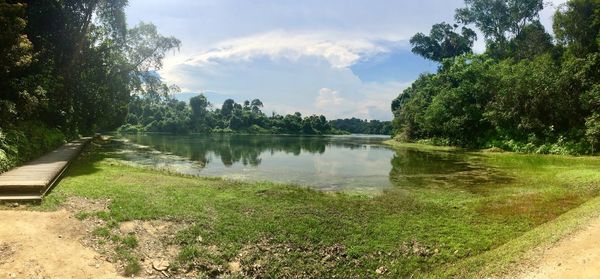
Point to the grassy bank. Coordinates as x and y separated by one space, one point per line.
435 225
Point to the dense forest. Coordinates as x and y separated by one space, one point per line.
167 115
69 68
359 126
528 92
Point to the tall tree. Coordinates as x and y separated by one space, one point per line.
577 26
499 20
443 42
17 55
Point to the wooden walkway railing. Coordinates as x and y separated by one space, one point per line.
34 179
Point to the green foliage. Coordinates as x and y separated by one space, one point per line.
359 126
167 115
524 95
577 26
26 141
592 131
499 20
73 64
443 42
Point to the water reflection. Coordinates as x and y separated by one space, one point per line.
327 163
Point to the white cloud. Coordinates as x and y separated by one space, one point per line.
327 98
340 52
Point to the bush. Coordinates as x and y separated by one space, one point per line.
130 129
26 141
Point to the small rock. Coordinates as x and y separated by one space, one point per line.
60 236
234 267
127 227
97 265
381 270
559 264
13 275
13 204
199 238
436 251
160 265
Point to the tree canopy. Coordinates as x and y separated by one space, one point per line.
168 115
443 42
75 64
524 93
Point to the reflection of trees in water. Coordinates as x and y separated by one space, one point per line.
245 149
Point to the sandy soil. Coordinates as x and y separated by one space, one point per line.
576 256
47 245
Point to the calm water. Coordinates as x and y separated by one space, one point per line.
333 163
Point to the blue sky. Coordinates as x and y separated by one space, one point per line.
340 58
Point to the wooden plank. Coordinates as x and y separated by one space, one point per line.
35 178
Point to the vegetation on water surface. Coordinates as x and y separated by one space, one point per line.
436 222
526 93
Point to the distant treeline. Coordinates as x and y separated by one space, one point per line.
359 126
168 115
528 92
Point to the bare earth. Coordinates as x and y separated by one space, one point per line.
47 245
576 256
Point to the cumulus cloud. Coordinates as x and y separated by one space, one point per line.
339 52
328 98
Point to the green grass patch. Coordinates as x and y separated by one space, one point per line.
442 221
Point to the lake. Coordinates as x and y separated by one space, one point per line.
360 163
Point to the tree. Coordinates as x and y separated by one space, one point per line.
443 42
256 104
577 26
531 42
199 105
499 20
145 49
17 54
227 107
592 132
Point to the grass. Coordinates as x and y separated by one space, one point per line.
420 146
455 224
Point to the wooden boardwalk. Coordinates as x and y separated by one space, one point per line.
34 179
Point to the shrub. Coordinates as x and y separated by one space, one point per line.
26 141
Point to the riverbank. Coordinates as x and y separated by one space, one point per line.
517 148
442 226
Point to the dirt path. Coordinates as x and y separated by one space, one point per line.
576 256
46 245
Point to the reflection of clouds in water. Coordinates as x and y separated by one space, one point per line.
370 162
346 163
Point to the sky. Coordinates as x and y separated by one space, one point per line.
339 58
